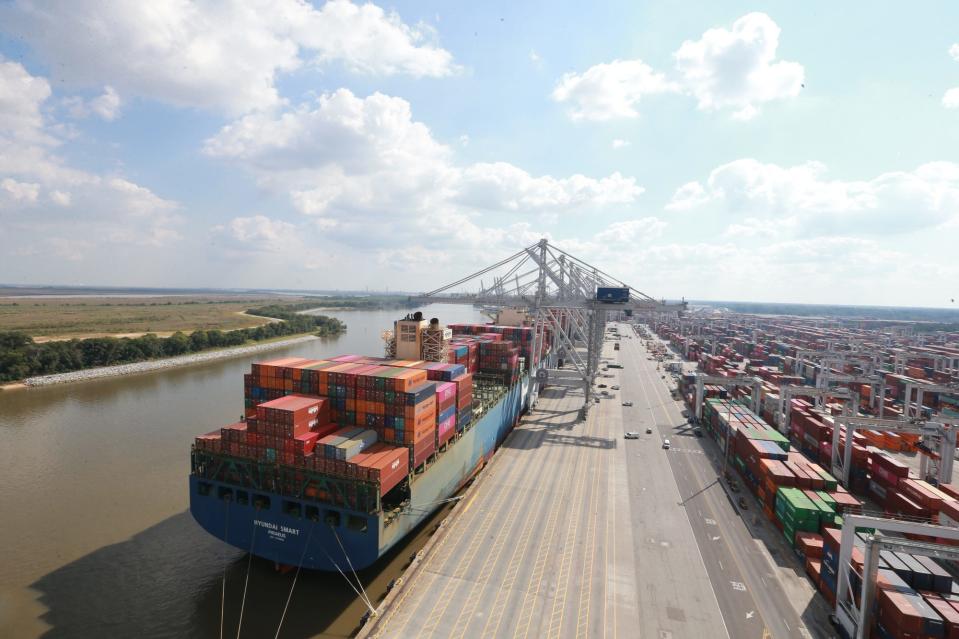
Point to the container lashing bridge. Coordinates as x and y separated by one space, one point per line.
558 291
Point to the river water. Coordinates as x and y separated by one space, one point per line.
96 539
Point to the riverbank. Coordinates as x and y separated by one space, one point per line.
154 364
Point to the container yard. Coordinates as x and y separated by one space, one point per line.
843 438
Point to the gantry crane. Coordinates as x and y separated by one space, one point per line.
727 382
559 292
921 388
856 620
786 393
939 435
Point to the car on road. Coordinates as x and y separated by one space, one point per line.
649 431
698 432
601 386
614 387
632 435
666 444
627 403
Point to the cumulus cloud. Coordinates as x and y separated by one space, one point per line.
259 233
951 98
619 144
611 90
737 68
343 156
631 231
43 198
217 55
892 202
105 105
21 95
725 69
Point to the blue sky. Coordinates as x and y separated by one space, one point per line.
772 151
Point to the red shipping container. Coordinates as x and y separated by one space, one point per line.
895 467
306 442
423 449
389 468
950 615
950 490
916 490
811 544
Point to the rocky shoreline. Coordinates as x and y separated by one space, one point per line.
157 364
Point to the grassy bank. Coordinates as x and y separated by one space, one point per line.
22 357
103 316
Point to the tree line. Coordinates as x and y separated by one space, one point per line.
21 357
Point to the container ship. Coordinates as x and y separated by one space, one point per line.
337 460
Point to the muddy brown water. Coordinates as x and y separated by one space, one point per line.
96 538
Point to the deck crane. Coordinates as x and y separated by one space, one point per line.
728 382
855 620
558 290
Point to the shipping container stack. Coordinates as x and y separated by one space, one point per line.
915 595
499 348
350 416
295 430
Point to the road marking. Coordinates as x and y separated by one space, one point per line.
709 522
787 625
750 614
717 538
720 564
738 585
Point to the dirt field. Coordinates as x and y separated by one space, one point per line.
64 317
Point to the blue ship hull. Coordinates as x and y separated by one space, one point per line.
356 538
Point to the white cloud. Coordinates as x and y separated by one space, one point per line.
60 197
260 233
502 186
42 198
725 69
632 231
688 196
105 106
217 55
951 98
613 90
737 68
535 59
756 228
892 202
345 156
465 140
19 191
619 144
21 95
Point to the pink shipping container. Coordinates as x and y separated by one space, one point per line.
445 430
